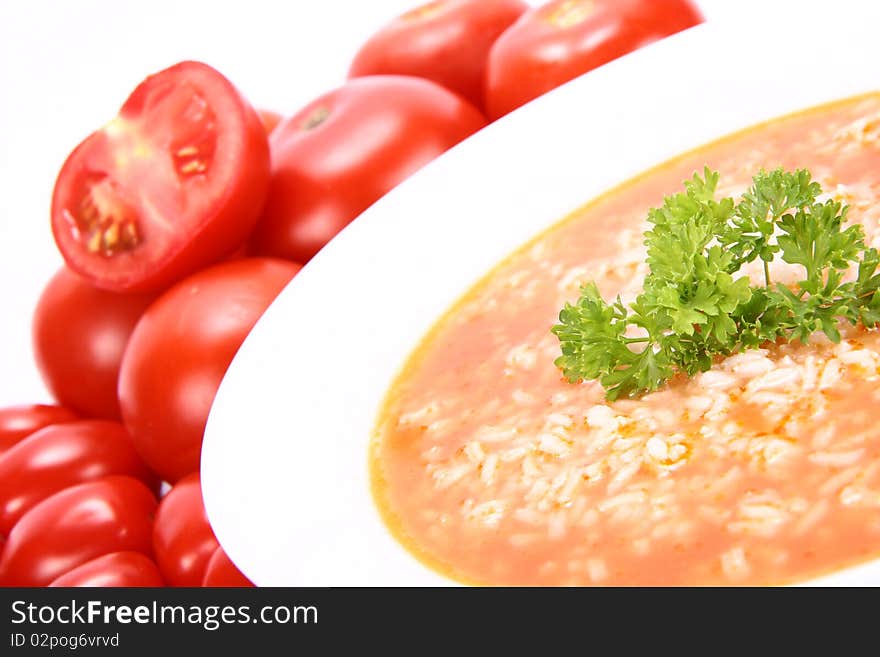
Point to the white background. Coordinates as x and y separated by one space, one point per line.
68 66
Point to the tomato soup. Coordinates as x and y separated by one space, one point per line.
492 469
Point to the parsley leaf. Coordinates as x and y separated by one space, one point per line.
694 307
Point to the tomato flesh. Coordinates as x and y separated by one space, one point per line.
176 181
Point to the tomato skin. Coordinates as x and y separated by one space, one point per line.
63 455
446 41
222 572
130 569
345 150
558 41
180 175
18 422
76 525
182 538
269 119
180 351
79 336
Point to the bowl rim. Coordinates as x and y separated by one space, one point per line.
284 460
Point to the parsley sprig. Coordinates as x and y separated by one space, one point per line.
694 307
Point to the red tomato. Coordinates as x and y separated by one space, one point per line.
79 335
446 41
180 351
173 183
18 422
562 39
346 149
116 569
269 119
76 525
222 572
60 456
182 538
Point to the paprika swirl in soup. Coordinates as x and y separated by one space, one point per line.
765 469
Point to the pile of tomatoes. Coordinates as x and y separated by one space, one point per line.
184 217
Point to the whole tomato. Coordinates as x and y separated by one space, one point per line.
558 41
180 351
222 572
446 41
18 422
175 182
182 538
76 525
116 569
62 455
79 335
346 149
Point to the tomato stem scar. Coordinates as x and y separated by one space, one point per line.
316 118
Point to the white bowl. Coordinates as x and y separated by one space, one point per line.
284 462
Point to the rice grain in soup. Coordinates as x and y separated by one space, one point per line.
492 469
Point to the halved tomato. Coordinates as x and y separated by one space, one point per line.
175 182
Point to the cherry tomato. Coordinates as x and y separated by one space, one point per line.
446 41
222 572
76 525
116 569
346 149
182 538
60 456
562 39
180 351
79 335
173 183
18 422
269 119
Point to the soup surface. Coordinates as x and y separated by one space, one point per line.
492 469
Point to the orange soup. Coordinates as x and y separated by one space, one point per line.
765 469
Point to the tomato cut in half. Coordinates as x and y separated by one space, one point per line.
175 182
